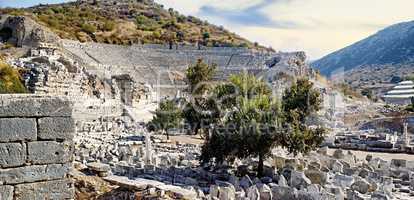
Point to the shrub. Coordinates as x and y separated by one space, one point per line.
10 81
109 25
88 28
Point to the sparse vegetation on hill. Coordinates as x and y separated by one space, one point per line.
126 22
10 81
346 90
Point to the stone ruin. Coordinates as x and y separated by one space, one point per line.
36 147
114 87
164 68
23 31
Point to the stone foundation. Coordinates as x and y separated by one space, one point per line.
36 147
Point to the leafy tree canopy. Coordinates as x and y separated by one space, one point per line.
166 117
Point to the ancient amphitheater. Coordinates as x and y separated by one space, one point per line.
152 63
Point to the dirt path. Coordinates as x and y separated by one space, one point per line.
386 156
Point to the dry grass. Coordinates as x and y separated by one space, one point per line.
10 80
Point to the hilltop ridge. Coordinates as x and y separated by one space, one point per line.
129 22
393 45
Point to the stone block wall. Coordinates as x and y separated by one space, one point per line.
36 148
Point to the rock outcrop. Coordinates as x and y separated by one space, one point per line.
23 31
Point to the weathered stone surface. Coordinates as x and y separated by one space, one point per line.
316 177
56 128
337 166
227 193
140 184
339 154
60 189
214 191
283 193
398 163
299 180
265 192
33 173
282 181
17 129
6 192
246 182
323 150
343 180
253 193
361 186
99 167
26 32
46 152
25 105
12 154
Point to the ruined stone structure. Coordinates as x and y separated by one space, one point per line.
23 31
164 68
36 148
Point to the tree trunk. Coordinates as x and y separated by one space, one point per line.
168 135
260 166
196 130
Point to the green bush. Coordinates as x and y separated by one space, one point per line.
88 28
10 81
109 25
147 24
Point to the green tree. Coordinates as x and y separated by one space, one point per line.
206 37
200 110
249 128
299 103
254 122
199 77
166 117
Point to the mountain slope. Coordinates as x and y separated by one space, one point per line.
128 21
393 45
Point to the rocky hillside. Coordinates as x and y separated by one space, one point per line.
10 80
128 21
393 45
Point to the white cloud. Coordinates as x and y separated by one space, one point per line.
324 25
191 7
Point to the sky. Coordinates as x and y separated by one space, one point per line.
317 27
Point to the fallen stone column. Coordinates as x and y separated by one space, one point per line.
36 147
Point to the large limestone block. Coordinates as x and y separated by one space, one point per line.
362 186
46 152
17 129
12 154
283 193
253 193
396 163
99 167
316 177
265 192
336 191
339 154
56 128
27 105
299 180
33 173
60 189
6 192
227 193
343 181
